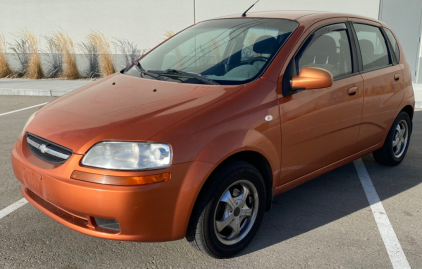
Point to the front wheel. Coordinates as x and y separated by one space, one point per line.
229 211
397 142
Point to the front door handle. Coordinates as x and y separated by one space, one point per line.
352 91
396 77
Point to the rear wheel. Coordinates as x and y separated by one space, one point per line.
229 211
397 142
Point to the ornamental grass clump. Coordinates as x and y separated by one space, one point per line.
130 51
55 59
5 70
34 68
67 49
91 54
21 52
105 57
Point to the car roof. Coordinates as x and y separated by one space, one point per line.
302 16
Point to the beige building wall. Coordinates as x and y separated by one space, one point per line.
143 22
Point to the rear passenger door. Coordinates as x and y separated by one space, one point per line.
383 81
321 126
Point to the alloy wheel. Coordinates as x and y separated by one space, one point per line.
400 138
236 212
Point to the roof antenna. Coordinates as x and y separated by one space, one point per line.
244 13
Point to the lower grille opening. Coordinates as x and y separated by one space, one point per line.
57 211
110 226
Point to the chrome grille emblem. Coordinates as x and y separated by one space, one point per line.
43 148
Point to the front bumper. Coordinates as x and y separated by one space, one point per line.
148 213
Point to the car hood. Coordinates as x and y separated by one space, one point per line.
121 107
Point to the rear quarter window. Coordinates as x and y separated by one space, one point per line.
393 43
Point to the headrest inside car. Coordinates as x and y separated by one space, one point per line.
265 45
323 50
323 46
367 47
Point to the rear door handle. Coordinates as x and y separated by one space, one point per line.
396 77
352 91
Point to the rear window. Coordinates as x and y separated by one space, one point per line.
394 43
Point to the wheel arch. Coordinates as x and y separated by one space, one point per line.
254 158
407 105
261 163
409 110
188 200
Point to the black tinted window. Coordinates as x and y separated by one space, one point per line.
372 47
394 43
327 48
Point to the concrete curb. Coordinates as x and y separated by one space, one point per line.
32 92
41 87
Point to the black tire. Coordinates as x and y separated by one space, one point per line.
201 232
385 155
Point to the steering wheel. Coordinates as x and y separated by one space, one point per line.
259 58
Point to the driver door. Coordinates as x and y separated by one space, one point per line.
321 126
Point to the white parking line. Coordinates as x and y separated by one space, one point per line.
391 242
22 109
12 207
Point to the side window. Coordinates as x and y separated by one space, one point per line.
373 46
394 43
327 48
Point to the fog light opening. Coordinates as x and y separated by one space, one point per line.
109 224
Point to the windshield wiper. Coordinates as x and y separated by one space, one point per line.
143 71
174 72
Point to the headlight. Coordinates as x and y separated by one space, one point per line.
28 122
128 156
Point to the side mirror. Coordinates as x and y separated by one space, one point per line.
313 78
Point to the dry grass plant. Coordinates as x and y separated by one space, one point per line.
67 49
101 42
5 70
34 69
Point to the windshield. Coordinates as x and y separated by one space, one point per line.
224 51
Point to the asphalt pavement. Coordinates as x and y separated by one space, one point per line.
325 223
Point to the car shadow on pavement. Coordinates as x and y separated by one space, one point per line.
336 194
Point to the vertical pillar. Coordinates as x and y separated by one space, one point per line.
194 11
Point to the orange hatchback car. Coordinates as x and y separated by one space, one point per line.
196 138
